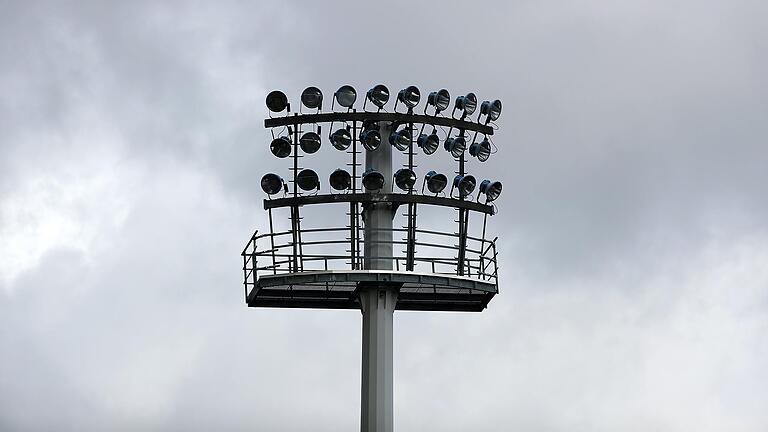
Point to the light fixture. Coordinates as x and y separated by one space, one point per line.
401 139
481 150
312 98
310 142
465 184
345 96
440 99
373 180
456 146
378 95
281 147
405 179
467 104
491 189
271 183
370 137
429 143
491 109
409 96
436 182
341 139
277 101
340 179
307 180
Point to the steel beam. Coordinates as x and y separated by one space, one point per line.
380 117
367 198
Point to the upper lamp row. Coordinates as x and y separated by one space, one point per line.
410 96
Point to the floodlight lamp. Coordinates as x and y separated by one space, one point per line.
456 146
401 139
481 150
378 95
312 97
307 180
281 147
409 96
310 142
370 137
345 96
467 104
341 139
340 179
491 109
465 184
491 189
440 99
428 143
405 179
373 180
271 183
277 101
436 182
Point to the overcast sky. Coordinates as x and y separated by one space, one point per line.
634 219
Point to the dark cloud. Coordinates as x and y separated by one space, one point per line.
634 241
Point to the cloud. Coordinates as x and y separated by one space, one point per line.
633 228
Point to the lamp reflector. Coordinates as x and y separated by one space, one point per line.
409 96
312 97
307 180
345 96
405 179
428 143
370 138
340 179
440 99
280 147
401 139
378 95
465 184
341 139
310 142
277 101
456 146
271 183
436 182
373 180
467 103
491 109
481 150
491 189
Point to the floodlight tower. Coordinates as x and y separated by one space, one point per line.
453 271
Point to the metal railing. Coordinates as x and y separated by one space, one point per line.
325 249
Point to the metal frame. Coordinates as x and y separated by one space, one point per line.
365 198
393 117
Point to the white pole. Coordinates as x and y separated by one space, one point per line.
378 302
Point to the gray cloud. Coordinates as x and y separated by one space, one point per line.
632 149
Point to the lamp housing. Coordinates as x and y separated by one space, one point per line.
277 101
373 180
340 180
281 147
465 184
312 98
436 182
491 189
271 183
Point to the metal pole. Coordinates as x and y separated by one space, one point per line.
378 302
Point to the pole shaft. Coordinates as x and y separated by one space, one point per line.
378 302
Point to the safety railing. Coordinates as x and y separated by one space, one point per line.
326 249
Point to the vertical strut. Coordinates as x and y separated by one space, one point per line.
272 242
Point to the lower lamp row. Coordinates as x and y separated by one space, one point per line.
405 179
